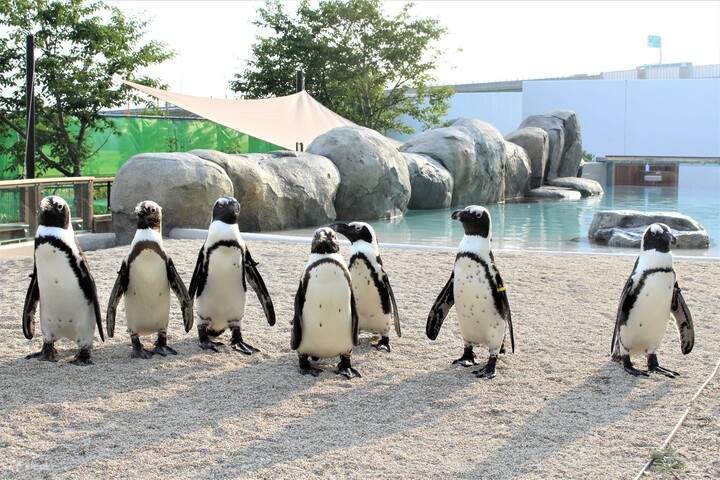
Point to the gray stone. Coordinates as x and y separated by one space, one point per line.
474 154
536 143
431 183
565 141
95 241
548 192
595 171
374 178
184 185
585 186
625 228
280 190
517 171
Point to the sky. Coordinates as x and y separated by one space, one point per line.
485 40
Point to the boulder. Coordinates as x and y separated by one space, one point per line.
431 183
280 190
536 143
374 178
474 154
565 142
585 186
517 171
548 192
625 228
185 186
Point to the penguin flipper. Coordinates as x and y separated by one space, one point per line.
178 287
354 321
440 309
258 285
627 300
683 320
296 334
391 294
197 282
31 300
87 283
504 309
118 290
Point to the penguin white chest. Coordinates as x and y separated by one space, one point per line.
326 315
147 301
648 318
368 301
477 315
65 312
223 298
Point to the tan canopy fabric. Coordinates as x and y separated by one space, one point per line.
281 120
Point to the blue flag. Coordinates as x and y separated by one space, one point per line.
654 41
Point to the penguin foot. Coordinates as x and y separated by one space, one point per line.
243 347
467 359
164 350
82 358
306 368
488 371
141 353
629 368
345 369
383 344
47 354
211 345
653 366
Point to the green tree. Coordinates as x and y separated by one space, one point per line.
368 67
80 47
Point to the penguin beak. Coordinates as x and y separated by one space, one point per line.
672 239
456 214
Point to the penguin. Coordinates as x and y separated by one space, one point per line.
63 285
374 297
224 268
325 323
650 295
478 293
145 278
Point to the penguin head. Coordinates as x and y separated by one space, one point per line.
356 231
659 237
149 215
54 212
325 241
475 220
226 210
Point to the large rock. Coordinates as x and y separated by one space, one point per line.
536 143
374 178
547 192
185 186
473 152
625 228
280 190
585 186
517 171
565 141
431 183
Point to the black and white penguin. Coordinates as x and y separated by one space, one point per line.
478 293
145 278
650 295
61 281
325 323
224 268
374 297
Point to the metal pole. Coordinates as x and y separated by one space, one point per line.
30 106
299 81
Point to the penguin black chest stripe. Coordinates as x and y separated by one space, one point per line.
379 286
215 246
137 250
497 297
83 281
632 297
317 263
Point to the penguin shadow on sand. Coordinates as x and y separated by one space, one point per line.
601 400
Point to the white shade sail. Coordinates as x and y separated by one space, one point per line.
283 121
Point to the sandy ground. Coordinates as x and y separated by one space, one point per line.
557 409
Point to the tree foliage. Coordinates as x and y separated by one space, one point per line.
80 47
364 65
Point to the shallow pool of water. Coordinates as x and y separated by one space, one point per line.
554 225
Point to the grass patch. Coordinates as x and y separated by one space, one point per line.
667 461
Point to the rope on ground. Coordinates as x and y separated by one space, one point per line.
682 419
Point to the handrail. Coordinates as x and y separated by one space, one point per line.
28 182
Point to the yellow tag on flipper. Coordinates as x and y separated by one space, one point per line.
502 289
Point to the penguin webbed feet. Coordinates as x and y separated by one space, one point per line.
653 366
237 343
204 338
629 368
46 354
467 359
382 345
345 369
488 371
306 367
138 351
82 357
